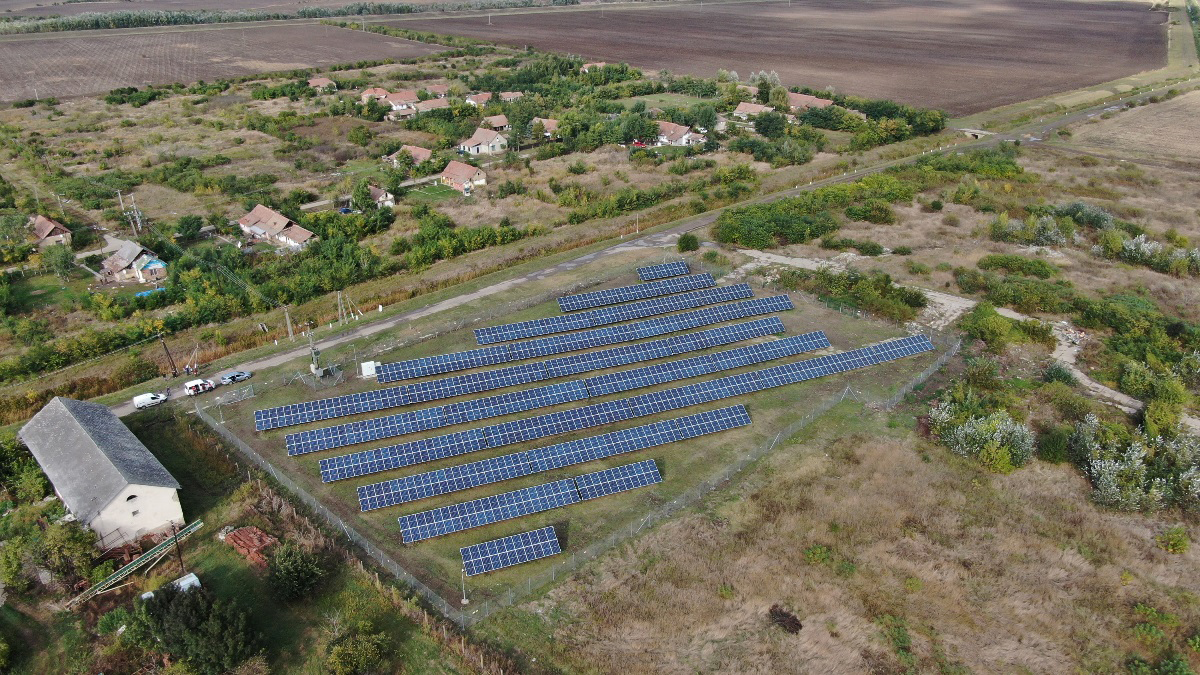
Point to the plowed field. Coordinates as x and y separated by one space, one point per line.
957 55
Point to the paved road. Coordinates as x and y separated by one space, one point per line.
658 239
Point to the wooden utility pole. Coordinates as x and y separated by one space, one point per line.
170 359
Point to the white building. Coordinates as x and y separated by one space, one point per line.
483 142
104 475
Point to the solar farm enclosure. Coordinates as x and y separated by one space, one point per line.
680 464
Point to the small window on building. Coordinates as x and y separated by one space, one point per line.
136 512
131 498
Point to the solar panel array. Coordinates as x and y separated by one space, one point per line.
496 469
488 510
596 414
617 479
473 383
612 296
464 516
364 431
508 551
606 315
671 269
569 342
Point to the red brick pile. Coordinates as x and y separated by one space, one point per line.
251 542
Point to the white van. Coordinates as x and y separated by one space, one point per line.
146 400
198 387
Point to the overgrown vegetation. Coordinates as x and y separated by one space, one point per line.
874 292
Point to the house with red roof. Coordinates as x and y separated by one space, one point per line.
462 177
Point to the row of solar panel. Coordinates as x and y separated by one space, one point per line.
473 383
488 510
596 414
508 551
570 342
671 269
612 296
496 469
607 315
410 422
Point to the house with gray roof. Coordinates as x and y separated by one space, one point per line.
104 475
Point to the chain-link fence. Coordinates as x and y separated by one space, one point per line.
472 614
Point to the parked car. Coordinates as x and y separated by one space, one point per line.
198 387
142 401
235 376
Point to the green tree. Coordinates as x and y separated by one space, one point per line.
360 135
210 635
188 227
60 259
361 196
68 549
778 99
359 652
688 242
705 116
29 483
12 563
293 573
770 124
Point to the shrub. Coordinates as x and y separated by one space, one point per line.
902 250
112 621
1016 264
1053 446
998 441
1057 372
936 205
577 168
915 267
875 211
210 635
293 573
688 242
1173 540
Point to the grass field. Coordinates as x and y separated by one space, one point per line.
433 193
954 55
1162 131
684 465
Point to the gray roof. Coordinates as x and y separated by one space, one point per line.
90 455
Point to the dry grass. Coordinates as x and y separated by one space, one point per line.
1162 131
1001 574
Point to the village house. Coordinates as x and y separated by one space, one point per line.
438 90
382 197
462 177
265 224
323 83
745 111
48 231
102 473
373 94
496 122
549 126
483 142
510 96
801 102
134 262
431 104
402 100
417 153
670 133
479 99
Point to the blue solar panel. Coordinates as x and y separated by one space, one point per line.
569 342
509 551
426 524
612 296
671 269
365 431
617 479
597 414
610 315
497 469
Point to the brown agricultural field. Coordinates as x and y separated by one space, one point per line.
34 8
93 62
1164 131
956 55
